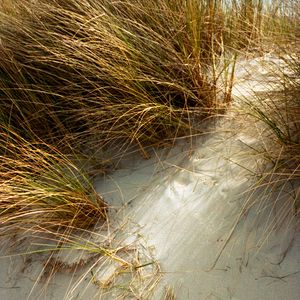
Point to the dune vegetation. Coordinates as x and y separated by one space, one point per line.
278 112
81 77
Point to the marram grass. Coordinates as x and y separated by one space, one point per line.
42 188
113 70
138 71
279 114
76 76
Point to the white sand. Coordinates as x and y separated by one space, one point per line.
180 209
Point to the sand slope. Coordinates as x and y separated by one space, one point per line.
181 214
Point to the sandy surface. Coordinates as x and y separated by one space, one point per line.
180 216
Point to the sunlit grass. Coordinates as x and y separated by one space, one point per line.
109 70
41 187
77 77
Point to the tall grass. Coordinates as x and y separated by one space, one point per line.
141 70
79 76
279 114
80 73
134 70
41 188
76 75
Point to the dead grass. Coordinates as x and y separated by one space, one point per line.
107 70
277 114
41 187
280 112
141 72
79 76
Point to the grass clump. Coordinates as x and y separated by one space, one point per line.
79 76
279 112
76 76
137 71
42 188
134 70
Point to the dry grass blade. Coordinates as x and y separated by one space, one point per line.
136 70
78 77
279 114
42 187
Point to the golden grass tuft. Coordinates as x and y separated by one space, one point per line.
279 112
42 188
77 77
135 70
